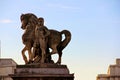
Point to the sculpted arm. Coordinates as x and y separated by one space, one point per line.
47 32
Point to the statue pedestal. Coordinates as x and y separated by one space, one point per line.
42 72
113 72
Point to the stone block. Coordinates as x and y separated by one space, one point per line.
42 72
103 77
7 67
117 61
114 70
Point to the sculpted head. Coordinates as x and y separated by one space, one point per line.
41 21
26 18
24 21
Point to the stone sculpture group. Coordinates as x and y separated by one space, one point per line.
38 39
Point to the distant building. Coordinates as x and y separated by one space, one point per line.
7 67
113 72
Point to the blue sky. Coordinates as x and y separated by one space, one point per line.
94 24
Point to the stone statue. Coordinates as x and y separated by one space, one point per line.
41 38
38 37
28 24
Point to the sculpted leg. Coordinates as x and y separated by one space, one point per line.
34 50
23 54
54 49
43 55
30 55
43 49
59 59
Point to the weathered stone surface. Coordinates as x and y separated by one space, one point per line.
7 62
45 78
42 72
39 65
118 61
42 69
113 72
7 67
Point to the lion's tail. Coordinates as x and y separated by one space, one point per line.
67 39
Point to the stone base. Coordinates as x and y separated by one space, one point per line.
113 72
42 72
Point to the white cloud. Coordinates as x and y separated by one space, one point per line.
6 21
